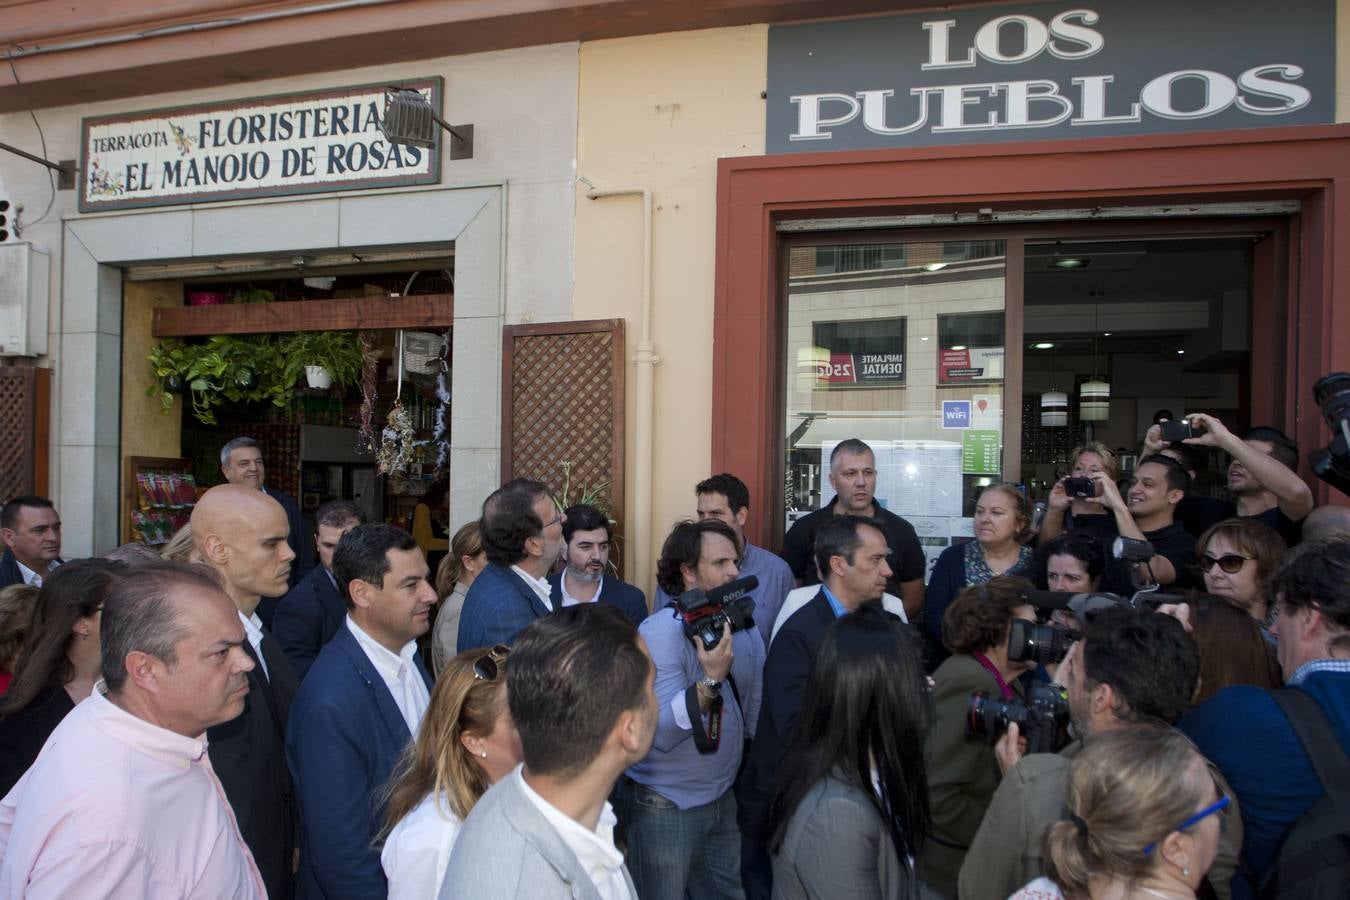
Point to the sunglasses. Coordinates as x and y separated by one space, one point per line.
488 666
1220 805
1229 562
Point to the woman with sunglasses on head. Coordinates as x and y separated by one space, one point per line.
59 665
1144 821
1238 558
466 744
851 808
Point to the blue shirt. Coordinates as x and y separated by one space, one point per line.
775 582
835 605
1243 732
674 768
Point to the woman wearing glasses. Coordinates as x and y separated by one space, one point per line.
1237 558
1144 821
466 744
852 802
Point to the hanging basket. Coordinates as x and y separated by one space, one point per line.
318 377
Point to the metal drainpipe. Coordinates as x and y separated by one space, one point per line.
644 362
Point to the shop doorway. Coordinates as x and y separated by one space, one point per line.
943 349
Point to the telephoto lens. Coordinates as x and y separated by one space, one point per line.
1044 644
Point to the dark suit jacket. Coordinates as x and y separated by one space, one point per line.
498 607
248 754
629 599
785 672
307 618
344 736
9 569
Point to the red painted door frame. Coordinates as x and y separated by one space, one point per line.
1310 164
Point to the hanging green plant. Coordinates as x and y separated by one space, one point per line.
337 352
237 368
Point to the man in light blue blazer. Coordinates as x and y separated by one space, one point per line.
522 533
580 688
356 711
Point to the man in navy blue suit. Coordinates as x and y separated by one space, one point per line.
522 534
587 537
312 612
357 710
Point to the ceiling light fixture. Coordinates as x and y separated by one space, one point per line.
1094 395
1069 262
1044 345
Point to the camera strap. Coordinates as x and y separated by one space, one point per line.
704 741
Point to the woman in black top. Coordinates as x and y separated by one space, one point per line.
59 665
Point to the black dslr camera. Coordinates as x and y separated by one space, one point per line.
1043 720
1332 463
1044 644
705 614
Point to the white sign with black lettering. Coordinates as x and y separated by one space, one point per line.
289 144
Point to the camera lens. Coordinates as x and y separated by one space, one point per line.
1332 393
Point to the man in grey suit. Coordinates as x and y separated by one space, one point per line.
581 692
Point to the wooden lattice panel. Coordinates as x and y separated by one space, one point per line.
23 430
563 397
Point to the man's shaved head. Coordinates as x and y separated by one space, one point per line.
241 533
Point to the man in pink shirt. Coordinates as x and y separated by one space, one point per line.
122 802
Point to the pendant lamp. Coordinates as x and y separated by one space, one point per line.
1094 395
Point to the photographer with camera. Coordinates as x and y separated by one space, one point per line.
1073 506
962 773
1131 669
1262 477
676 806
1159 484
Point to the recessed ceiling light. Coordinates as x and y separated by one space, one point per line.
1069 262
1181 353
957 347
1044 345
933 267
1106 334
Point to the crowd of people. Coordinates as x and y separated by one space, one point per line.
255 711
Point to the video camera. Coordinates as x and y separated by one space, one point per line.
1043 720
1332 463
705 614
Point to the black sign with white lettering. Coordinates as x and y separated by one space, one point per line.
1037 71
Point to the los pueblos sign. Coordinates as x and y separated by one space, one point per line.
1037 71
286 144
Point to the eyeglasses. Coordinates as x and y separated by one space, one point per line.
1217 806
1229 562
488 666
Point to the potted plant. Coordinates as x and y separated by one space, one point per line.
223 367
327 357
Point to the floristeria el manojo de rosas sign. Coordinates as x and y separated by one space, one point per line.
264 147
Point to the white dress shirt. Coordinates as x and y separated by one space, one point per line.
595 850
569 600
400 674
253 629
33 578
540 585
418 849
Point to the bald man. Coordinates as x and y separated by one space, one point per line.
241 534
1326 522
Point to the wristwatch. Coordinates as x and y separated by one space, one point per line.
712 686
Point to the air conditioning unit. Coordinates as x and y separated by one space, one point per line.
24 276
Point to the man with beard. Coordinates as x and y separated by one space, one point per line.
587 536
1131 669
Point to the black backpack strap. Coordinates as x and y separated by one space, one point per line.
1319 740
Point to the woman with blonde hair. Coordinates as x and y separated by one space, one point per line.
466 744
1075 513
180 547
453 576
1144 821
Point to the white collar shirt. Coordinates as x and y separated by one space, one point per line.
33 578
595 850
540 585
253 630
569 600
400 675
